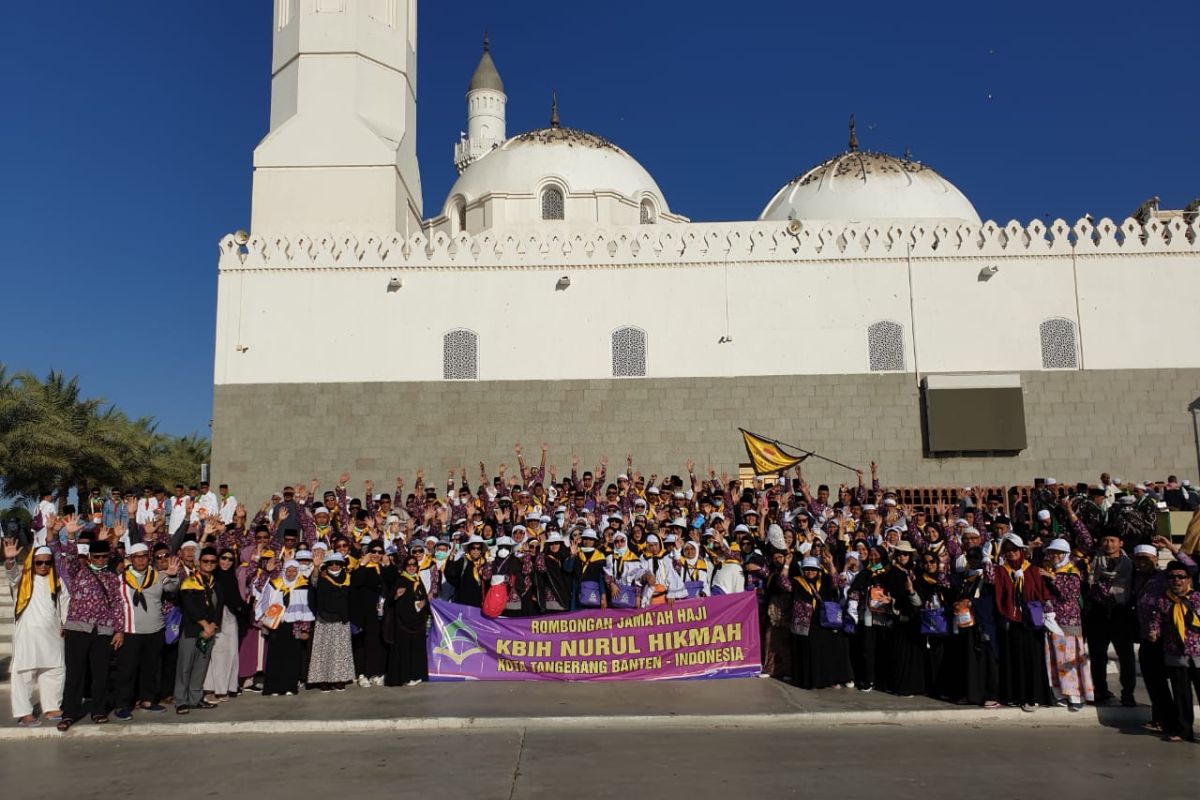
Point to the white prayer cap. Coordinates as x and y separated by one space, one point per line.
431 539
190 543
1145 550
1044 514
46 551
641 502
622 477
291 563
324 510
680 496
889 501
140 547
653 490
1051 482
653 538
869 507
1059 546
970 530
810 563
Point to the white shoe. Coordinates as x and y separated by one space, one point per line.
364 681
413 683
377 680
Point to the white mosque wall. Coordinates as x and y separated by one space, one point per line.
320 310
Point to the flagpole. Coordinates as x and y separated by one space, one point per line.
816 455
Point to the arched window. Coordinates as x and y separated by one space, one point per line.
885 346
461 208
1058 344
460 355
552 203
649 217
629 353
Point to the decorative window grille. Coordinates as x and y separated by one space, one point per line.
885 346
460 356
647 213
629 353
1058 344
552 203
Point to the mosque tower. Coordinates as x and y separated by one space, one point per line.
486 102
341 153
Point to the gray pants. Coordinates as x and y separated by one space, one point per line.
190 671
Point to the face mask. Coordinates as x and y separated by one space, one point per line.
96 567
306 571
620 550
587 549
691 562
503 552
562 518
441 555
333 573
490 542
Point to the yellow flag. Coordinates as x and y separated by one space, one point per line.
766 455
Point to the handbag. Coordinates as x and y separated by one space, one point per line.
589 594
933 622
624 596
831 616
694 588
495 600
964 617
173 623
878 600
1034 615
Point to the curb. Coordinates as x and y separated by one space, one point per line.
1045 718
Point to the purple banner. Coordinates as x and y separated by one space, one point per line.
713 637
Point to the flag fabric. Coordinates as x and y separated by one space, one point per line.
766 455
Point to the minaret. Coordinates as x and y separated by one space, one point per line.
486 102
341 154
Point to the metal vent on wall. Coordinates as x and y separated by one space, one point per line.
885 346
629 353
460 356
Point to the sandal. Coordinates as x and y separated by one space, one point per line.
65 725
1152 726
99 719
181 710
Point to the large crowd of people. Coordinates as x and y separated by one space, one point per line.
142 602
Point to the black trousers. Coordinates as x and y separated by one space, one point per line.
169 659
1183 681
139 667
85 654
1154 675
1116 626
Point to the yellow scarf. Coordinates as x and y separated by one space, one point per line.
1017 582
25 589
1066 569
815 591
281 585
147 582
628 558
345 579
1182 616
426 563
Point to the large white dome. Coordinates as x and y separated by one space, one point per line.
601 184
858 185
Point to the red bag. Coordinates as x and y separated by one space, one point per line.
495 600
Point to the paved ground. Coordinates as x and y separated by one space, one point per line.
676 704
893 762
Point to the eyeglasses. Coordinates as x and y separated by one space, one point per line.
42 563
227 558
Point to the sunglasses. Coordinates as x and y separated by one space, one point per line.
42 563
208 561
227 558
1177 577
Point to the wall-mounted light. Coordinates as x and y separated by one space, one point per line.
725 340
394 285
563 283
240 238
242 348
987 272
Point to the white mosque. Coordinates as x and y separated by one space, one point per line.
556 295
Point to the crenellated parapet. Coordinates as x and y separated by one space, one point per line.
709 243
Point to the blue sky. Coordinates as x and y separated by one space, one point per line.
129 128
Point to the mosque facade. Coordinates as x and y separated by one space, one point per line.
556 295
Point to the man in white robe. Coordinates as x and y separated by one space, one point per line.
37 660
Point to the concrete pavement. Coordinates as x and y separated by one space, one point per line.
674 705
528 763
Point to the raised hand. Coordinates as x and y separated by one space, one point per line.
604 462
691 466
574 460
10 549
312 486
343 479
369 486
545 447
283 513
517 449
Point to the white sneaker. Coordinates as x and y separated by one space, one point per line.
413 683
377 680
364 681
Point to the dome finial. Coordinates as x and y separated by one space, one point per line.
487 41
554 108
853 135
